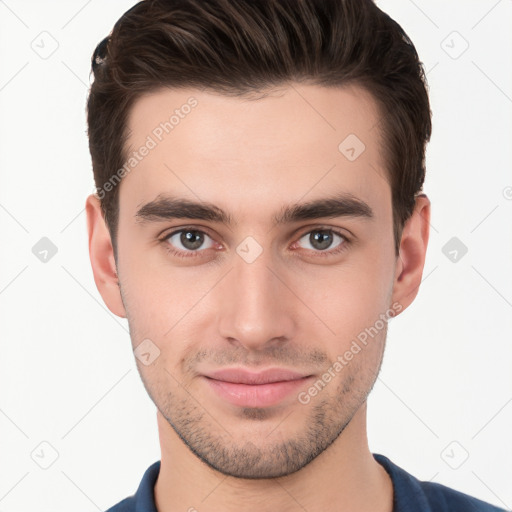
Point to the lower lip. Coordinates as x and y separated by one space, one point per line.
256 395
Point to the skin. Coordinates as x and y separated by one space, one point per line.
292 307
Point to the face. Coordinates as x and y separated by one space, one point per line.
256 267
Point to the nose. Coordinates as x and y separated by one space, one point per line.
257 308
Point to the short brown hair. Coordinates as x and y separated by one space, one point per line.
239 47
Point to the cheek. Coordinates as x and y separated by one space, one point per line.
154 291
164 305
350 297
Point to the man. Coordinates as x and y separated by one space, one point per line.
258 212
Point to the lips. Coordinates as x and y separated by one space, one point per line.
240 376
249 389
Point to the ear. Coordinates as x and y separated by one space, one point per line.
411 258
101 254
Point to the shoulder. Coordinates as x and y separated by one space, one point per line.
441 497
143 500
411 494
127 505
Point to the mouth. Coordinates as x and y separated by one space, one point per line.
248 389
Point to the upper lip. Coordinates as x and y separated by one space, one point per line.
242 376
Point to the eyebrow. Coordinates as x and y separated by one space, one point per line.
166 207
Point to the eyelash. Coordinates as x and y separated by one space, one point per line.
343 246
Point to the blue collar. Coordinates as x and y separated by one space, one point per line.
409 494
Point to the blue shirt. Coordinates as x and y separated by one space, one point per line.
410 494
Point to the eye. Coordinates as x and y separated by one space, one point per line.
187 241
321 239
191 242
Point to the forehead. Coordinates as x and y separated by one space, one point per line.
300 141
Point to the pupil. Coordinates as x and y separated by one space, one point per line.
320 239
191 239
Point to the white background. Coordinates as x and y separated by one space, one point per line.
67 374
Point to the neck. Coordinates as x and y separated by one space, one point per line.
344 477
